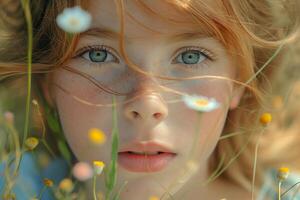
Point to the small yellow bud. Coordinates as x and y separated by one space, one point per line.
34 102
265 118
31 143
98 167
97 136
48 182
277 102
9 196
283 173
100 196
66 185
153 198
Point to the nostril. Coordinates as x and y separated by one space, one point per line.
157 115
135 114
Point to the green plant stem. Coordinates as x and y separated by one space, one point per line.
117 196
225 136
279 190
254 165
43 140
265 65
110 179
219 167
175 185
212 178
197 137
42 192
18 153
28 17
285 192
48 147
94 187
26 7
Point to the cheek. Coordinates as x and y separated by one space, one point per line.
209 128
77 119
213 125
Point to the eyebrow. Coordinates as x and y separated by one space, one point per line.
110 34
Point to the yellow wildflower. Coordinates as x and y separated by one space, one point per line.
31 143
97 136
100 196
283 173
277 102
9 197
153 198
34 101
48 182
265 118
98 167
66 185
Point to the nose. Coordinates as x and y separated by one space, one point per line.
145 108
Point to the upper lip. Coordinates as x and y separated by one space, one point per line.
148 147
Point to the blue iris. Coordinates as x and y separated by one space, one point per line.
98 55
190 57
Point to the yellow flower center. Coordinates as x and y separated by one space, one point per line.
202 102
99 163
74 22
48 182
284 170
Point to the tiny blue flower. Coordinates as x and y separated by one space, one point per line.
74 20
200 103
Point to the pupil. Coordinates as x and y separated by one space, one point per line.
191 57
98 56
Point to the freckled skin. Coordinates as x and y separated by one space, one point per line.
177 123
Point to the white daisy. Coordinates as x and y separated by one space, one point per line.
200 103
74 20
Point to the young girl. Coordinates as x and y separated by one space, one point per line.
152 57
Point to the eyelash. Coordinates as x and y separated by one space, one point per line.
208 54
98 48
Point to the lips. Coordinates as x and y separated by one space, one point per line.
145 157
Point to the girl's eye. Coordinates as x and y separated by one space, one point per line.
98 55
191 57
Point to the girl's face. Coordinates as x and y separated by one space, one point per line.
151 122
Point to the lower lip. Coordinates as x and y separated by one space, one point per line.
144 163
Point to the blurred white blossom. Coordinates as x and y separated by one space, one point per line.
200 103
74 20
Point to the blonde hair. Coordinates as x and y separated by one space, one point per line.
247 29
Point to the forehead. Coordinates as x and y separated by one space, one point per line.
144 18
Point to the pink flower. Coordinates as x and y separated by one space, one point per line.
9 117
82 171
